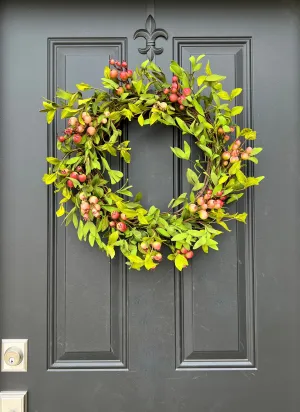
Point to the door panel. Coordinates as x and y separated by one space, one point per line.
222 336
215 332
92 334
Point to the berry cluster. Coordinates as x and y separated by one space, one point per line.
235 151
76 130
176 93
118 221
89 207
186 252
78 175
155 246
74 133
207 201
121 73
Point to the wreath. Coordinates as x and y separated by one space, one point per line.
108 218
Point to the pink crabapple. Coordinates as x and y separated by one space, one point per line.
189 254
77 138
74 175
115 215
121 226
91 130
82 178
93 199
203 214
156 245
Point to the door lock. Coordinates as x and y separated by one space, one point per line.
14 355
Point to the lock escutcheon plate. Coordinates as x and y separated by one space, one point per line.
14 355
13 401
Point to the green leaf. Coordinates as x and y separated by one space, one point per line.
253 181
84 101
80 230
183 126
224 95
224 225
195 233
201 80
48 106
198 107
248 133
110 251
163 232
200 57
187 150
73 160
223 179
126 155
67 112
115 176
62 94
75 220
138 197
235 92
134 108
179 153
53 160
255 151
109 84
207 68
113 237
214 178
191 176
154 117
145 64
234 168
217 188
206 149
105 163
136 259
241 177
50 116
181 262
192 59
106 72
60 211
142 219
92 239
215 78
154 67
141 120
241 217
253 159
200 242
83 86
234 197
48 179
171 257
138 86
175 68
178 201
179 236
212 244
236 110
149 264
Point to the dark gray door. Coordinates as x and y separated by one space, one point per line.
222 336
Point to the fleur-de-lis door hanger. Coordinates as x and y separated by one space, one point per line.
150 34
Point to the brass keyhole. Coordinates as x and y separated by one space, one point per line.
13 356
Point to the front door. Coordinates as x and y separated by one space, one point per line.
222 336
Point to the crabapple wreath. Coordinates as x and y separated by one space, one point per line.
82 174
